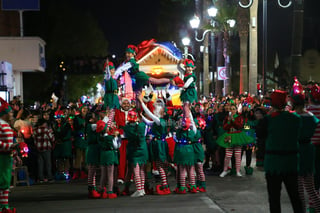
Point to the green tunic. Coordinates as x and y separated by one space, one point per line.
197 147
108 154
137 150
183 150
80 140
189 94
306 149
234 138
139 78
110 98
159 150
63 136
93 149
6 161
282 146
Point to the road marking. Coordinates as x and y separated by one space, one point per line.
211 204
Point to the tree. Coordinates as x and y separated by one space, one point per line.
67 34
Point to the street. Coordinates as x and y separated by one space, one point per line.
245 194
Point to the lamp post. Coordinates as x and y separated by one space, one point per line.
186 43
195 22
264 40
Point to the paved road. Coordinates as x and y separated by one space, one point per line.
230 194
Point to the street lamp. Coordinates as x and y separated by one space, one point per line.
264 40
186 43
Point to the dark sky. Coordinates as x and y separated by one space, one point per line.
125 22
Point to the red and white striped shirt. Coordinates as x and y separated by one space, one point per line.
6 137
315 109
43 138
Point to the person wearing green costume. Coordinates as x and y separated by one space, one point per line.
188 94
111 99
92 154
282 130
109 140
184 156
159 152
306 149
80 144
233 139
137 151
139 79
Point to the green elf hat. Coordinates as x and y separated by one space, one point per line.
188 63
111 65
4 107
132 49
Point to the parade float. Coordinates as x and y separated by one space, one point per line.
159 60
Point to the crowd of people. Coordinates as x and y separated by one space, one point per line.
123 139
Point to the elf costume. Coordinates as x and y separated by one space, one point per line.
7 153
92 157
109 145
137 151
80 143
199 154
184 157
139 79
306 149
111 99
281 163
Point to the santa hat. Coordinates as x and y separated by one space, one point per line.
132 116
279 99
315 93
4 107
132 49
188 63
297 93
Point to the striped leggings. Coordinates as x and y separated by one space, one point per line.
4 198
307 183
139 176
181 177
107 177
92 175
229 153
199 172
161 166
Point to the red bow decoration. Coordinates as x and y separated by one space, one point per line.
178 81
100 126
146 44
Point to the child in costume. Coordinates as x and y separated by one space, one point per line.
189 93
109 143
233 139
306 149
92 155
184 157
7 152
158 146
139 79
137 151
111 99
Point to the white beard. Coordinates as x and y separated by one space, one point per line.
157 110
